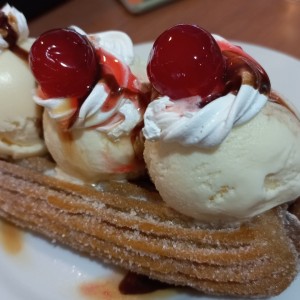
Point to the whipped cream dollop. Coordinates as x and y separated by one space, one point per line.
116 119
97 137
16 22
255 169
186 122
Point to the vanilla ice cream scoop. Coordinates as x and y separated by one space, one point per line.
89 156
20 117
95 135
254 169
226 157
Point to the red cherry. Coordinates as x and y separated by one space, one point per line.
64 63
186 61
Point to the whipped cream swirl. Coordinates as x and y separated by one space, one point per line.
14 24
121 117
184 121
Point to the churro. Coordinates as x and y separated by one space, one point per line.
127 225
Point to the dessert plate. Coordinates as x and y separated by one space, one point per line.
32 268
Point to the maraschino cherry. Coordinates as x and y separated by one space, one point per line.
186 61
64 63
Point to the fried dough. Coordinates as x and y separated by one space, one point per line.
130 226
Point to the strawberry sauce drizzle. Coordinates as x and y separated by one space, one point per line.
121 82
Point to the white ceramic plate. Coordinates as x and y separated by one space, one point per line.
32 268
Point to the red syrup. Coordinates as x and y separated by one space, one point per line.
121 82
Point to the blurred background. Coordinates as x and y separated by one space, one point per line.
32 8
271 23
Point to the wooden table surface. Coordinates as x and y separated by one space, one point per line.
270 23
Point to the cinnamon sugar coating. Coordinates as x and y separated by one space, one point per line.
129 226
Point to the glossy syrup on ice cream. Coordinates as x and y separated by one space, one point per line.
113 75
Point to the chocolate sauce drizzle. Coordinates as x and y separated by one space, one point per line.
240 70
245 70
134 284
11 36
116 90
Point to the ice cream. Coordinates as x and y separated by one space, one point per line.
226 158
20 117
93 135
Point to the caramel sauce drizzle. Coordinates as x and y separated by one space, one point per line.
275 98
